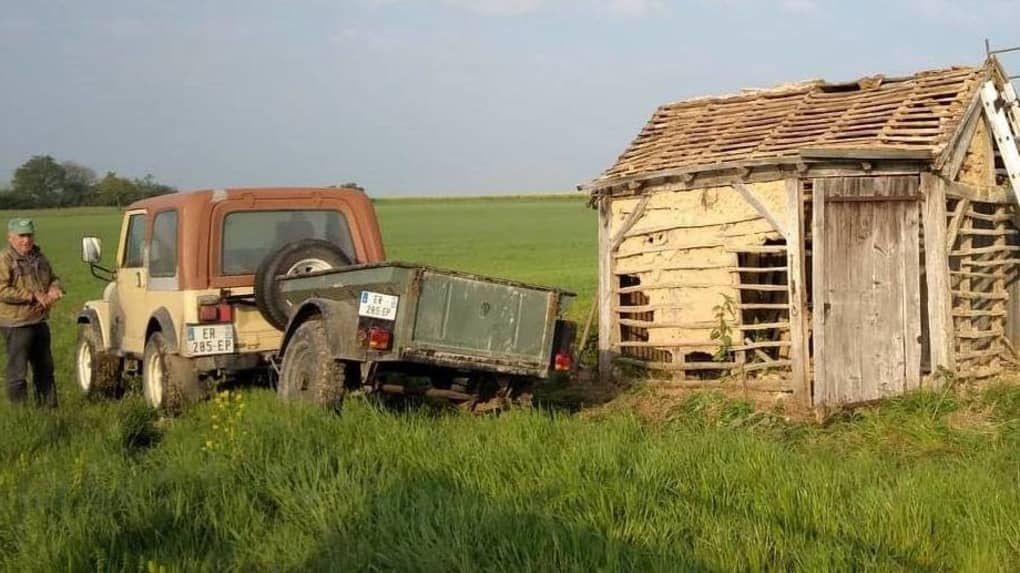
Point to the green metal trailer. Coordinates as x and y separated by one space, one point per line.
476 339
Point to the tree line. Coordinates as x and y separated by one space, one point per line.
43 182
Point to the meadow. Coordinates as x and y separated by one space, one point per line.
649 482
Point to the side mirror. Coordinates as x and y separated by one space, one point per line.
91 250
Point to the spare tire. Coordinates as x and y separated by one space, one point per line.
293 259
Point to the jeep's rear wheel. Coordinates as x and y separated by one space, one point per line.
309 372
98 372
297 258
169 381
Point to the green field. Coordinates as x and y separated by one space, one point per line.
243 482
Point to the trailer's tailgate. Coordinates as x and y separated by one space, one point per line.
477 317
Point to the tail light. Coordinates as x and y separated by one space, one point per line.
379 338
563 362
215 312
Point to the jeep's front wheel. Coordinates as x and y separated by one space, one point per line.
169 382
98 372
309 372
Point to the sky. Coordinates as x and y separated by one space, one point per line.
420 97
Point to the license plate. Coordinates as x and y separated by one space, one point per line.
205 339
377 305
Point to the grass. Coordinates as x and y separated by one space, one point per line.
243 482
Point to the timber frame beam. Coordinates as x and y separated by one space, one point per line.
757 171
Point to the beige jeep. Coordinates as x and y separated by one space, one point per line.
181 304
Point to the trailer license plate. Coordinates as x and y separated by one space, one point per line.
377 305
205 339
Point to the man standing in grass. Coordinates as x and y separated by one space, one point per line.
28 289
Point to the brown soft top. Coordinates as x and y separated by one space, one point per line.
202 211
202 196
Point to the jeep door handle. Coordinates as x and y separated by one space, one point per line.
138 279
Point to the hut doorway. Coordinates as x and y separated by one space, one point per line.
867 296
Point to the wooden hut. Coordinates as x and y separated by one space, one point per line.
836 242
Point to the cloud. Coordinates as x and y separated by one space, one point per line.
632 7
498 6
799 6
628 8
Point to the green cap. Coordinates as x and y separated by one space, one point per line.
21 226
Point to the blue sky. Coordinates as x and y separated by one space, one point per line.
417 97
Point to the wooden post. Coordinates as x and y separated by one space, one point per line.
607 318
799 355
819 296
998 321
936 261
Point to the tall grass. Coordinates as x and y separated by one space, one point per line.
716 487
243 482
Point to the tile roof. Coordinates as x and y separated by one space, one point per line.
918 112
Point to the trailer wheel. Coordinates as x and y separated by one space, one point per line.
297 258
309 372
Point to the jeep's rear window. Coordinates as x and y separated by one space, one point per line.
249 236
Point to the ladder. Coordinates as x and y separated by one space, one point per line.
1003 113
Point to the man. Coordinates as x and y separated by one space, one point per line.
28 289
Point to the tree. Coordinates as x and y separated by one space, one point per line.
149 187
79 185
40 181
44 182
114 190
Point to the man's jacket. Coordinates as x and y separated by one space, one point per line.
20 277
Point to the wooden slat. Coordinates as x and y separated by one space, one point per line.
696 325
936 245
991 263
764 326
990 218
958 215
763 306
978 295
992 232
682 285
984 250
973 274
977 313
760 208
819 295
609 328
999 285
758 249
982 194
759 270
629 222
994 333
702 344
977 354
767 365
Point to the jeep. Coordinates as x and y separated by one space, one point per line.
181 307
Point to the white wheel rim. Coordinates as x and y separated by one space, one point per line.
154 388
305 266
85 366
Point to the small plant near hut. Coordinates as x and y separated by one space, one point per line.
725 315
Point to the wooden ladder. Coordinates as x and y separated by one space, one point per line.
1003 113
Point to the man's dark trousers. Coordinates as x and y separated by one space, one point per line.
30 345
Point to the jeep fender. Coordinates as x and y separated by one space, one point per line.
161 321
340 320
95 317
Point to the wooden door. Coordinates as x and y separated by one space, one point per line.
867 299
